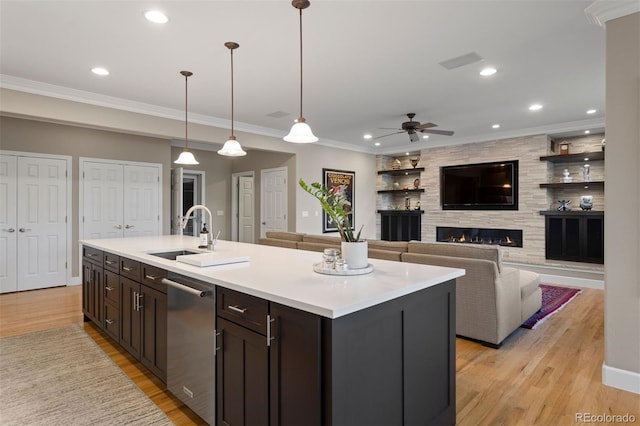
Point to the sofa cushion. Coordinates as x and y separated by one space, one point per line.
400 246
324 239
529 283
474 251
384 254
305 245
289 236
278 243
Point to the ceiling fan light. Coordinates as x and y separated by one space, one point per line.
301 133
186 157
232 148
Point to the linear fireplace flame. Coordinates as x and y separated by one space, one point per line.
503 237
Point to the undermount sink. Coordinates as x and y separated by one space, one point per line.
172 255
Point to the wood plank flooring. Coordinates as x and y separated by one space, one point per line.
538 377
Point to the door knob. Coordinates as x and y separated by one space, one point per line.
264 223
24 229
9 230
128 226
117 226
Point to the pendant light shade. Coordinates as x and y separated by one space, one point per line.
231 147
300 132
186 157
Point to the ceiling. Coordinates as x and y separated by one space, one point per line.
366 64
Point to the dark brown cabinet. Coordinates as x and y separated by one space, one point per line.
576 236
401 225
130 328
92 286
111 288
268 362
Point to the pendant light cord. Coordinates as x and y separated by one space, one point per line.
186 139
301 63
232 132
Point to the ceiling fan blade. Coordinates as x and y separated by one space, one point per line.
384 136
437 132
414 137
425 126
389 128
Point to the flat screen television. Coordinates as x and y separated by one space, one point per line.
485 186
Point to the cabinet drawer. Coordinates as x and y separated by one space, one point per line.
112 288
112 262
152 277
243 309
112 321
92 255
130 269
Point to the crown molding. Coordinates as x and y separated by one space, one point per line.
601 11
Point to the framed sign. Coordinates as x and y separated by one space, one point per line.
341 183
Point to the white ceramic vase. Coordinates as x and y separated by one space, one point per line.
355 254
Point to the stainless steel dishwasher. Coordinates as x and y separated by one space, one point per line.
191 364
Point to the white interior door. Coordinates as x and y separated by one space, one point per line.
41 210
176 200
274 200
102 200
8 224
246 219
141 201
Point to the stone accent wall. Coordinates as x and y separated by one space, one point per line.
532 198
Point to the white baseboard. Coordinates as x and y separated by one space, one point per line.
75 281
621 379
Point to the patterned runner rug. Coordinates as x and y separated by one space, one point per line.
62 377
553 299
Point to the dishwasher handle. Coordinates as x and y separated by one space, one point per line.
185 288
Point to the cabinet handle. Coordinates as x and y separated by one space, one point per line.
117 226
237 309
215 341
151 277
108 321
9 230
109 262
89 255
109 288
129 226
140 298
128 268
24 229
269 337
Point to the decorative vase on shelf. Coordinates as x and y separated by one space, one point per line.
355 254
566 178
414 162
586 202
396 164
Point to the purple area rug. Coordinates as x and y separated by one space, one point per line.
553 299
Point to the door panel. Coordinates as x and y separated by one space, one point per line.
8 224
42 222
176 200
141 195
102 200
246 209
274 200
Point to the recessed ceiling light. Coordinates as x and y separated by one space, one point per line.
486 72
425 136
377 144
535 107
367 136
100 71
406 153
495 126
591 111
156 16
586 132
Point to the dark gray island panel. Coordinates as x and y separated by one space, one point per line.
393 363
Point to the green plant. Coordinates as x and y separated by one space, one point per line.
336 206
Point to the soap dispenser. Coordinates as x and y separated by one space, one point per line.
204 237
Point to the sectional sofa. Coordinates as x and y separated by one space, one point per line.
492 300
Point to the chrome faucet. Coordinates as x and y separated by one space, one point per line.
185 220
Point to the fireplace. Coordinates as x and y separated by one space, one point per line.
503 237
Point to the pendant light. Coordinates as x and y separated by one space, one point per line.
186 157
300 132
231 147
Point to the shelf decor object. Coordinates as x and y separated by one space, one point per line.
414 162
231 147
186 156
301 132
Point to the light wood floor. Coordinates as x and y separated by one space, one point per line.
538 377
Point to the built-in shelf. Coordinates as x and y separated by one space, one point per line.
398 191
592 184
401 172
574 158
401 212
572 213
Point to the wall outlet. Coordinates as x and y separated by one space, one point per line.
305 214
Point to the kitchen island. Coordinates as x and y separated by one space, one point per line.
366 349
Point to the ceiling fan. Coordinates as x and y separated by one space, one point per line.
412 127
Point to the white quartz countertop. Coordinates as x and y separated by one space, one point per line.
285 276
